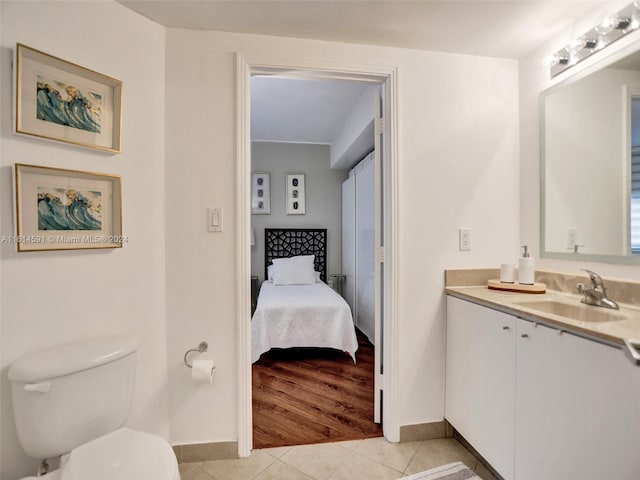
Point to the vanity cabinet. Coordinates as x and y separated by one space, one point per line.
577 408
540 403
480 386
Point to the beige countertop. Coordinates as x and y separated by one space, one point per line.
624 325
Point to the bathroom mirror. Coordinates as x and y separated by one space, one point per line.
590 164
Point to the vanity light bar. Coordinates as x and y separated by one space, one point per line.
610 29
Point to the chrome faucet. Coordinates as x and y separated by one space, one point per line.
597 294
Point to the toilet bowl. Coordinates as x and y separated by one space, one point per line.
121 455
72 402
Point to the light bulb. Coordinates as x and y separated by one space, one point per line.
602 42
606 25
560 58
623 23
590 43
548 60
576 45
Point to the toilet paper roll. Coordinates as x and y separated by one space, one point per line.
202 371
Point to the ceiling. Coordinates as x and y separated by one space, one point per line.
498 28
302 111
281 108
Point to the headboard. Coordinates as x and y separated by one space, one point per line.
289 242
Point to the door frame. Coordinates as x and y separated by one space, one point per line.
246 66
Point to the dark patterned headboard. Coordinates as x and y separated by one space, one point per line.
289 242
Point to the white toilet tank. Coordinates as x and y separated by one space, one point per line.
66 396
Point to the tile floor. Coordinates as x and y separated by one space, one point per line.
370 459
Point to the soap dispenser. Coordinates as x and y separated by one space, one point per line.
526 269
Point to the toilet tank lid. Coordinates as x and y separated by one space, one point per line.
70 358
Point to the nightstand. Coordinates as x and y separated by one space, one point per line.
336 281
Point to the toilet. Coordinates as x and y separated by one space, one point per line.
72 401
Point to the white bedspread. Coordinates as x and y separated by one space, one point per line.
301 316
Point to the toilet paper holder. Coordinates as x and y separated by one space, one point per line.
203 347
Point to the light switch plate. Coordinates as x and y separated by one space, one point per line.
214 219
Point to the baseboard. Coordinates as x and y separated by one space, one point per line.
204 452
423 431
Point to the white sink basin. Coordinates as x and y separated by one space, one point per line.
580 311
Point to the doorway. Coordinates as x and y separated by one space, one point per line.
386 252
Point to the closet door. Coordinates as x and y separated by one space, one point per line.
349 242
365 247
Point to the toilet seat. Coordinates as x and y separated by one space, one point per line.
122 455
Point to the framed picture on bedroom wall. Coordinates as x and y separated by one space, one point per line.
260 195
295 194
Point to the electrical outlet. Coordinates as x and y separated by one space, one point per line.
465 239
572 237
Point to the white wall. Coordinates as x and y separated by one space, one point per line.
323 196
533 79
458 150
53 297
458 167
355 139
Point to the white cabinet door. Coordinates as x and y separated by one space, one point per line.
480 376
577 408
366 248
349 242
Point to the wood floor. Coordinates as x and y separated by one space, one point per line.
303 396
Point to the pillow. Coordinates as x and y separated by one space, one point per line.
294 271
271 274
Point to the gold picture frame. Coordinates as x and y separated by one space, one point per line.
61 101
60 209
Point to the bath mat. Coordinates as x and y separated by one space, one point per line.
451 471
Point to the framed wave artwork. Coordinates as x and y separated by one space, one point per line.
62 101
58 209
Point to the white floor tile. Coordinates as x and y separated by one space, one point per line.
360 468
318 461
238 469
192 471
394 455
274 452
370 459
433 453
281 471
349 444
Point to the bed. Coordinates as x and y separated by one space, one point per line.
300 315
